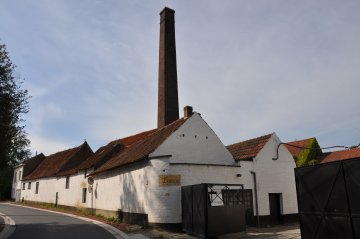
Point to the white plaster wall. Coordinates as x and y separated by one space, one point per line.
165 206
275 176
195 142
49 186
16 183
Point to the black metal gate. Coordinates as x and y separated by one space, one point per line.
209 210
329 200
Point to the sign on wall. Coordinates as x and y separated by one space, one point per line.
169 180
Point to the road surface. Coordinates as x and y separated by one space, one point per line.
32 223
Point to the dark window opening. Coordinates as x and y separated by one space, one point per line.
37 188
23 186
29 185
67 183
84 195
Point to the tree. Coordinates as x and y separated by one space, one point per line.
13 138
309 156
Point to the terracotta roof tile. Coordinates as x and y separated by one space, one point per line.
300 143
248 149
341 155
58 163
141 149
31 164
104 153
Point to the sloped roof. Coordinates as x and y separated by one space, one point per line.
31 164
295 151
104 153
142 148
61 163
247 150
341 155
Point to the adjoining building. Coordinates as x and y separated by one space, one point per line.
142 175
271 182
23 170
44 184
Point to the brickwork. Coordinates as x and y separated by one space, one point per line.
168 105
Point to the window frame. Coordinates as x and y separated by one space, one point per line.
29 185
37 188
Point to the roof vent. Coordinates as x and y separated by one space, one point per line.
188 111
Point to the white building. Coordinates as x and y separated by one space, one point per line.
23 170
142 175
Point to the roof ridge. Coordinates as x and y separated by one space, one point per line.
267 135
141 148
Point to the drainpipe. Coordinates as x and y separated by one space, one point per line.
256 197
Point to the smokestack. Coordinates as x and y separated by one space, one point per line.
168 105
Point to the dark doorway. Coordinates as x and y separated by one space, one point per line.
249 209
275 208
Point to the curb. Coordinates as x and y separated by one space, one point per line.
9 226
114 231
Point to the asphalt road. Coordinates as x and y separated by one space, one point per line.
32 223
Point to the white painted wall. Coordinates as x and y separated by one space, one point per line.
195 142
275 176
49 186
16 183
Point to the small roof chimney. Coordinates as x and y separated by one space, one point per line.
168 105
188 111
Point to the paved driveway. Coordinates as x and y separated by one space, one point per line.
32 223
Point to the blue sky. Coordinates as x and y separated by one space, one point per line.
249 67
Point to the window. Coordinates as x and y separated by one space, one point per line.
84 195
29 185
23 186
15 175
37 188
67 182
19 175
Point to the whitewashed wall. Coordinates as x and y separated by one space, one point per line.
16 183
275 176
49 186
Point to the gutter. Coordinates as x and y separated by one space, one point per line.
256 198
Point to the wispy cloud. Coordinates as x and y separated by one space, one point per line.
249 67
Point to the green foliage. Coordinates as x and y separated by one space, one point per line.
309 156
13 138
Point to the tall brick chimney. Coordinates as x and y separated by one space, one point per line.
168 105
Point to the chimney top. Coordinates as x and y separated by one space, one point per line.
188 111
167 14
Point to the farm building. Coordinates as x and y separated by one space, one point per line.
142 175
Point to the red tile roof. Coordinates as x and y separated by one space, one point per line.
299 143
61 163
141 149
31 164
248 149
341 155
103 154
